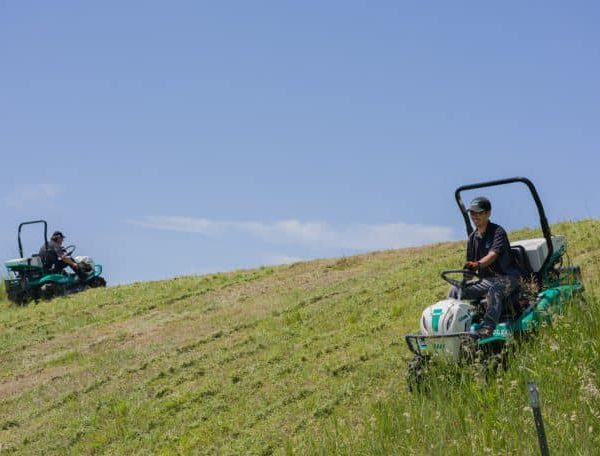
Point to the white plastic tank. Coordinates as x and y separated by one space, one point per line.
34 261
537 249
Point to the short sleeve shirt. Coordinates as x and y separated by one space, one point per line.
53 247
494 239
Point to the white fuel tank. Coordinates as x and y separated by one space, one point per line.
450 316
537 249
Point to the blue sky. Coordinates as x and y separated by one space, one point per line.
170 138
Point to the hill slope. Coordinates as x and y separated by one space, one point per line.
306 357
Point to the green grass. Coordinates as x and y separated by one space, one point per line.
469 413
305 358
3 301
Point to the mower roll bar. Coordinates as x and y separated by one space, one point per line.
33 222
512 180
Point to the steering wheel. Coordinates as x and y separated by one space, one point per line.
466 273
69 250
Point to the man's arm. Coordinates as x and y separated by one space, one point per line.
483 262
70 262
499 244
66 259
488 259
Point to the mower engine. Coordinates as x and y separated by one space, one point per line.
441 323
86 263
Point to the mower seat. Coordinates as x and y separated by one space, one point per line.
519 254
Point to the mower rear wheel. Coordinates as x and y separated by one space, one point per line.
416 373
48 291
20 298
97 282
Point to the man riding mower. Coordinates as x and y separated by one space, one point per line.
43 275
522 284
56 258
488 253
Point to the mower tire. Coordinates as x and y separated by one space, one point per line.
97 282
417 373
49 291
20 298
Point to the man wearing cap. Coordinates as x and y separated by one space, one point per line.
488 253
55 258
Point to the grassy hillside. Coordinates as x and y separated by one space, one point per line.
306 358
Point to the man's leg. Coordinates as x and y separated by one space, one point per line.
453 293
475 291
500 289
78 271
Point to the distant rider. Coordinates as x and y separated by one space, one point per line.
488 252
55 258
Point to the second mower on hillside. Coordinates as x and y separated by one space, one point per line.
29 279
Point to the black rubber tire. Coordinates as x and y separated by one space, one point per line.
48 291
417 373
97 282
19 298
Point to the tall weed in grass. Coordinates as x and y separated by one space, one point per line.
3 298
467 412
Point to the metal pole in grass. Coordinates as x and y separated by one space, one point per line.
537 418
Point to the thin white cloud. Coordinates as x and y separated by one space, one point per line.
281 259
33 194
317 234
183 224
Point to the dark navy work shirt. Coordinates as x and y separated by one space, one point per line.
52 255
53 248
494 239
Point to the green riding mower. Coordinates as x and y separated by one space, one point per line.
450 327
32 278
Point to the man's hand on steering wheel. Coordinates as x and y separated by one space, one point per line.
69 250
472 265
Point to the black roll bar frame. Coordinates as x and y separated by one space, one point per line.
512 180
33 222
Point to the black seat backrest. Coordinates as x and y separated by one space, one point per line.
521 259
49 258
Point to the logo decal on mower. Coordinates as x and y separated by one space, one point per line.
435 319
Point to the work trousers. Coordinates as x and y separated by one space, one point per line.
496 289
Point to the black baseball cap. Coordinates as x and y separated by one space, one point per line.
58 233
480 204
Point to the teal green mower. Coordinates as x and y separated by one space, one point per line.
30 280
449 328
